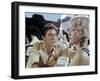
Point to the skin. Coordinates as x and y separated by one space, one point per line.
50 38
75 36
81 58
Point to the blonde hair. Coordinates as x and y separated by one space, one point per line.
84 22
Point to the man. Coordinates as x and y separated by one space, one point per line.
49 52
44 52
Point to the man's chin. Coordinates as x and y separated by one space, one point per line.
54 44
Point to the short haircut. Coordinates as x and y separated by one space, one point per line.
48 27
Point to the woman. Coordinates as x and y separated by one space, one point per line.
79 37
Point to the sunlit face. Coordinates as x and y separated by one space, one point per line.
51 37
76 35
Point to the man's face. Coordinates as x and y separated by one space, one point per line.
51 37
76 35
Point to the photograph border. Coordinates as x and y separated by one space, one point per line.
15 39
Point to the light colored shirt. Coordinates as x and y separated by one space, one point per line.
41 58
34 40
29 48
81 58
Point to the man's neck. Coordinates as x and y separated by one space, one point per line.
48 47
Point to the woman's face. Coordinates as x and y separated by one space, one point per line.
75 35
51 37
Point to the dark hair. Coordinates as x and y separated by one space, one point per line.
48 27
35 31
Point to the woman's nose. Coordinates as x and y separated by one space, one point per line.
69 34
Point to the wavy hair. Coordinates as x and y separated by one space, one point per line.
84 22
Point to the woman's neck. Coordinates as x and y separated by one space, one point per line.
76 46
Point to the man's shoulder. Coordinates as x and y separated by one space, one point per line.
38 45
59 45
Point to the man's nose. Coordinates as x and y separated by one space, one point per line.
53 37
69 34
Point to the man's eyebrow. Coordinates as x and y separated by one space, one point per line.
52 33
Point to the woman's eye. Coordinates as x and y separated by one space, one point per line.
73 29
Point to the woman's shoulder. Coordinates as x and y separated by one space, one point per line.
81 58
86 50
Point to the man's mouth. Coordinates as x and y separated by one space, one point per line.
69 38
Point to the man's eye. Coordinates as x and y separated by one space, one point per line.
52 34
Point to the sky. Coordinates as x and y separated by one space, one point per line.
47 16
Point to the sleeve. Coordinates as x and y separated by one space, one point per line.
85 59
65 57
67 53
76 60
33 57
80 58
